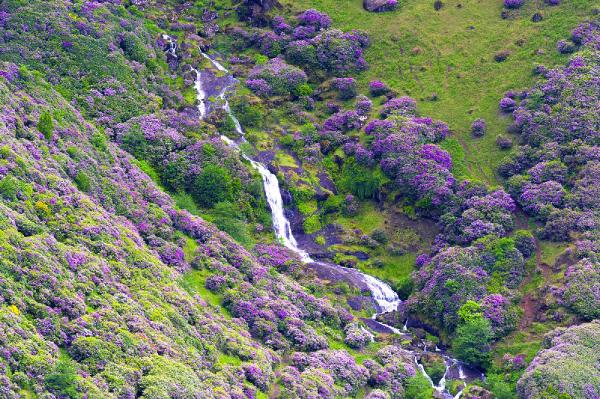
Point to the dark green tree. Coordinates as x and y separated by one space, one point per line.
472 342
45 125
213 185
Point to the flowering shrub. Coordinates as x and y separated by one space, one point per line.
478 127
357 336
507 104
377 88
558 154
582 292
565 47
402 106
276 77
566 365
513 3
363 106
496 309
314 18
346 87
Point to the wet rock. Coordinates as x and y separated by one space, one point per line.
321 195
380 5
286 196
360 255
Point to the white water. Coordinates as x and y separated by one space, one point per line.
200 94
172 45
386 299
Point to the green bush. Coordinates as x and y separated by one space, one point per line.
133 48
82 181
135 143
418 387
45 125
472 342
63 380
100 141
311 224
9 188
303 90
249 115
404 287
213 185
360 181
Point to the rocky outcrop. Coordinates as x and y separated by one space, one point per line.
380 5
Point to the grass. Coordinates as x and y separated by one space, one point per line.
420 52
368 219
551 251
285 160
193 282
395 268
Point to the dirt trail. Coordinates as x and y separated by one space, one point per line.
531 303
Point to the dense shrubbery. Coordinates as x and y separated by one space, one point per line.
310 44
582 291
553 172
207 169
566 367
102 275
98 54
276 78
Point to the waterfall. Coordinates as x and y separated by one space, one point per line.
384 296
172 45
200 94
386 299
216 63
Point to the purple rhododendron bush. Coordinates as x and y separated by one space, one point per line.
567 365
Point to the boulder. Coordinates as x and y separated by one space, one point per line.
380 5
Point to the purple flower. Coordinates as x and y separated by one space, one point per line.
403 105
507 104
513 3
377 88
314 18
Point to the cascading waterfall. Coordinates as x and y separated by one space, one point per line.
200 94
172 45
384 296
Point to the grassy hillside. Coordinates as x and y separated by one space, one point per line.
449 54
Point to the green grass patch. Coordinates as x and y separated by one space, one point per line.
368 219
551 251
395 270
229 360
194 283
285 160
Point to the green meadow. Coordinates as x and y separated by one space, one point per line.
445 60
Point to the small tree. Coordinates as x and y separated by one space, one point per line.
213 185
45 125
472 341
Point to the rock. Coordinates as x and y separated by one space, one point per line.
360 255
475 392
380 5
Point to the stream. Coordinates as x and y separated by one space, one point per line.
385 299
